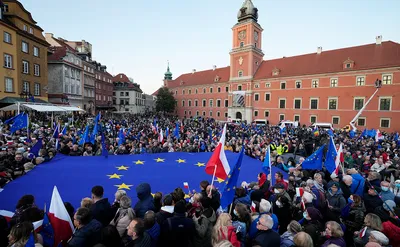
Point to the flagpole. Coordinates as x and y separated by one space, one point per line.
212 181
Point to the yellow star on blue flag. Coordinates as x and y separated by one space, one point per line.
199 164
180 161
122 168
115 176
159 160
228 193
123 186
139 162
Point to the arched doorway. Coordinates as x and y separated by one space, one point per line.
238 115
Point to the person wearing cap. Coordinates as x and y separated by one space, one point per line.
371 198
336 202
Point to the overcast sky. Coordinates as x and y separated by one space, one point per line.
137 37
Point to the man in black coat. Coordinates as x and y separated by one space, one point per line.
88 230
138 237
372 199
345 186
266 237
178 231
101 208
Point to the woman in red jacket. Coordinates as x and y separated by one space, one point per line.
391 228
223 230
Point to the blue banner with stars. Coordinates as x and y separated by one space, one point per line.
75 176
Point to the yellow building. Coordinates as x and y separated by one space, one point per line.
24 52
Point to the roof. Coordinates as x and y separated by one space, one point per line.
371 56
13 100
201 77
121 77
156 92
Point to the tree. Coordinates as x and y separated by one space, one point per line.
165 100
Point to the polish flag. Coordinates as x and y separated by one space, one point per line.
8 216
160 136
60 219
253 207
186 185
378 136
299 192
339 159
218 161
362 232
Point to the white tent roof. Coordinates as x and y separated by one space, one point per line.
71 108
12 107
42 108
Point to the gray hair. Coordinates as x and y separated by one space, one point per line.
265 206
125 202
347 178
223 243
268 221
310 182
119 194
380 237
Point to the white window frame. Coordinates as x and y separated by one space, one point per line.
25 45
391 79
210 113
337 82
240 73
8 61
184 112
317 103
385 97
25 67
266 96
254 113
279 103
218 89
36 69
226 114
211 90
294 103
265 112
183 103
258 97
36 89
337 103
210 103
6 80
189 103
316 119
196 103
7 38
280 87
204 113
295 84
267 85
338 117
365 121
354 102
197 113
30 30
257 85
216 103
280 117
26 85
239 85
312 83
25 27
226 101
296 115
204 104
384 118
359 77
183 91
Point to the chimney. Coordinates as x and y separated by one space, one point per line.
193 71
378 39
319 50
214 67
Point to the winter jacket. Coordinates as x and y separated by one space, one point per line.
287 239
165 213
88 235
178 231
101 211
337 202
154 233
145 202
371 202
392 232
268 238
204 226
355 218
144 241
345 189
253 227
231 236
357 186
241 231
314 229
337 241
387 195
121 221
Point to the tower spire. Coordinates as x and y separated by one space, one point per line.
168 74
247 11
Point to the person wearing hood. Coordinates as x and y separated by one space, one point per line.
353 216
101 208
312 224
26 210
204 219
145 202
336 202
281 207
166 211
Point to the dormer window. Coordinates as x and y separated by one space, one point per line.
216 79
257 85
275 72
348 64
182 82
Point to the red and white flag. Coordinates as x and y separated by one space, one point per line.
253 207
218 161
339 159
186 185
378 136
60 219
362 232
160 136
299 192
8 216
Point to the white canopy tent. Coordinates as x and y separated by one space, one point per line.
41 107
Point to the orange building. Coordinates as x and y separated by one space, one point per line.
326 86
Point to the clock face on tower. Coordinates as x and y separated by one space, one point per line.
242 35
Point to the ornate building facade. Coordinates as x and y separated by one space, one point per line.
325 86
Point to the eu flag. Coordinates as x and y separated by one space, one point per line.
104 150
266 167
11 119
330 132
56 131
228 193
314 161
176 132
31 241
85 136
331 157
352 134
274 170
47 232
36 148
64 130
20 122
121 137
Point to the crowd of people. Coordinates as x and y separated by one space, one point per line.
357 207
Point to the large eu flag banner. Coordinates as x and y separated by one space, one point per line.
75 176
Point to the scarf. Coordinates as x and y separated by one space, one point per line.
319 187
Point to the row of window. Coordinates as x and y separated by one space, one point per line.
72 73
8 63
72 88
98 97
385 103
25 49
104 87
204 90
204 103
104 78
26 87
88 69
204 113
